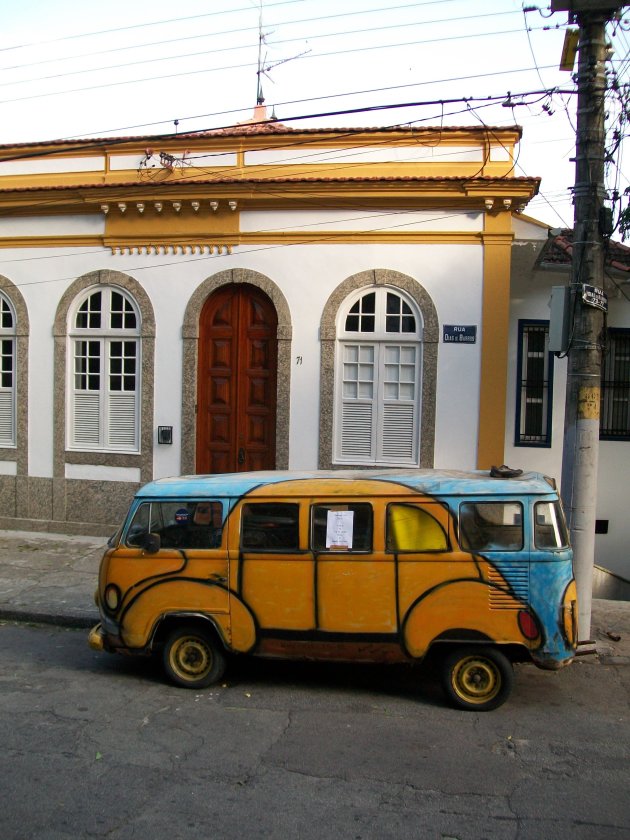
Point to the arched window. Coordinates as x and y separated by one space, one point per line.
7 372
104 360
379 364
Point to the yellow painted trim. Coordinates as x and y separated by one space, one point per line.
497 240
78 241
232 240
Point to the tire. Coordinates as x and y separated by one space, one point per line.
477 679
192 658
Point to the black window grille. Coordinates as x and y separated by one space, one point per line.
534 385
614 421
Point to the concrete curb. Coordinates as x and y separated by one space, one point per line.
71 620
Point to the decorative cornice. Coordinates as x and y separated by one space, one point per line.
156 245
174 247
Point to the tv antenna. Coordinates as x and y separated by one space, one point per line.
264 68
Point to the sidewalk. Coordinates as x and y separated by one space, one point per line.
51 578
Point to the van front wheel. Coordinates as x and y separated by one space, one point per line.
192 658
477 679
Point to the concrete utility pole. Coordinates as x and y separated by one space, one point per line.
587 300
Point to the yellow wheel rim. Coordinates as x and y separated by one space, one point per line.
476 679
190 658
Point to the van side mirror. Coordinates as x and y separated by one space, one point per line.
151 543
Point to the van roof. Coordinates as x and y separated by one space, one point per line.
431 482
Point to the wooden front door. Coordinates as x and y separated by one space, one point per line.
236 404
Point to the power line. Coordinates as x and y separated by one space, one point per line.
110 84
366 109
310 37
146 25
174 135
221 33
319 172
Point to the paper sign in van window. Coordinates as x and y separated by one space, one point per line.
339 529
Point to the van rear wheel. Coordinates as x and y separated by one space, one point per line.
477 679
192 658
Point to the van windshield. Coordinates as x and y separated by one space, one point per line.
179 524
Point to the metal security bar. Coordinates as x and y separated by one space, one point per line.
615 387
534 384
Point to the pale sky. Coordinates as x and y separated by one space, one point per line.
80 68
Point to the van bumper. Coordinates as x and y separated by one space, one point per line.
552 663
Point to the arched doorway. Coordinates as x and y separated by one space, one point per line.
236 390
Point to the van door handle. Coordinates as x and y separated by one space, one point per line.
241 455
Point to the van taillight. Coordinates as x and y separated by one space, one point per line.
527 625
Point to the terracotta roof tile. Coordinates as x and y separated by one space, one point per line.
558 251
298 179
263 127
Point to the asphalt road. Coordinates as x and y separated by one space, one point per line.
99 746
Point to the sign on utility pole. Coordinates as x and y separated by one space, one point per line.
587 298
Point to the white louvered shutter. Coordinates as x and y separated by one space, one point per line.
7 418
86 428
121 427
358 409
399 407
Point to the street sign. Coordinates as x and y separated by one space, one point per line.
592 296
459 334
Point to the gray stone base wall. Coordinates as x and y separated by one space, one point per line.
98 501
65 506
8 495
39 498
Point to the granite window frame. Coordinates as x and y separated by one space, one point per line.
378 368
104 408
428 378
141 460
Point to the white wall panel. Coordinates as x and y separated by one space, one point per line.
361 220
196 159
363 154
89 472
52 164
93 224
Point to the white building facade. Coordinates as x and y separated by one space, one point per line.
263 298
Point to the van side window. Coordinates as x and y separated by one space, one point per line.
491 526
179 524
268 526
550 530
412 528
341 527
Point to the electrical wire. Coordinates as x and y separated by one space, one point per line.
307 56
145 25
242 30
325 97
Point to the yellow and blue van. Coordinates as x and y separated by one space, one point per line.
373 566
